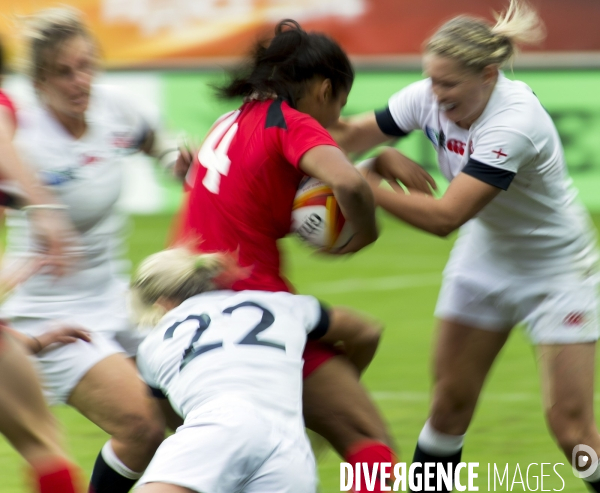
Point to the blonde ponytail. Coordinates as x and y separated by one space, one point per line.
520 23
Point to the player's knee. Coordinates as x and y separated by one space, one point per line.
453 399
570 425
451 411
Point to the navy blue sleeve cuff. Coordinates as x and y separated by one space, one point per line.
387 124
322 325
500 178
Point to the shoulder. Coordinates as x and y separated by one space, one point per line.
418 91
514 105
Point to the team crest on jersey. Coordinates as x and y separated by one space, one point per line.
437 138
456 146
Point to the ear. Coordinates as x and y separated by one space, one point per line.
490 73
325 91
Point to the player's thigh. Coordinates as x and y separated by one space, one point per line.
567 374
61 367
474 321
462 359
338 407
24 417
112 395
162 488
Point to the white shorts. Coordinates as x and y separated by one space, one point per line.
62 367
553 310
233 449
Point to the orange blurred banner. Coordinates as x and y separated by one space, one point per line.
145 33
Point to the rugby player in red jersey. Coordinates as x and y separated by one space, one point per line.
242 187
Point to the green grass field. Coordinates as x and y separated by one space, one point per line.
397 281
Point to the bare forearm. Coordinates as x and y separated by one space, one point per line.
419 210
358 206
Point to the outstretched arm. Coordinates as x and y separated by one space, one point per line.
464 198
49 222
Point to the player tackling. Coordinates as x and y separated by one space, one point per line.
230 363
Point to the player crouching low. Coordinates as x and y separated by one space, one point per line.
230 363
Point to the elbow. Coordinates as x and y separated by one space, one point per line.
351 184
370 335
443 230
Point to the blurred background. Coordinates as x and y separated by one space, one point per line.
168 53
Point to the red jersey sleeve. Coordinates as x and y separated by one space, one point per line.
298 133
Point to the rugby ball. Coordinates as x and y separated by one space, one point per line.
317 217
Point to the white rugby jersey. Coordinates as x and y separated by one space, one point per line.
536 224
245 346
86 175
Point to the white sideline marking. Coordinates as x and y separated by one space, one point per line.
376 284
491 396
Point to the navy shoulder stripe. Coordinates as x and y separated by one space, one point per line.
322 326
387 124
275 116
500 178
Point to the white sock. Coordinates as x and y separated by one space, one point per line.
435 442
111 459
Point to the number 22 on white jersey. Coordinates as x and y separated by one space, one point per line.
213 153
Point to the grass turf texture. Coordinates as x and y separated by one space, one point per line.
396 280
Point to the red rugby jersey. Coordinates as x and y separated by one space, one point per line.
243 183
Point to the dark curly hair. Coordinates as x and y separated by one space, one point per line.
281 67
